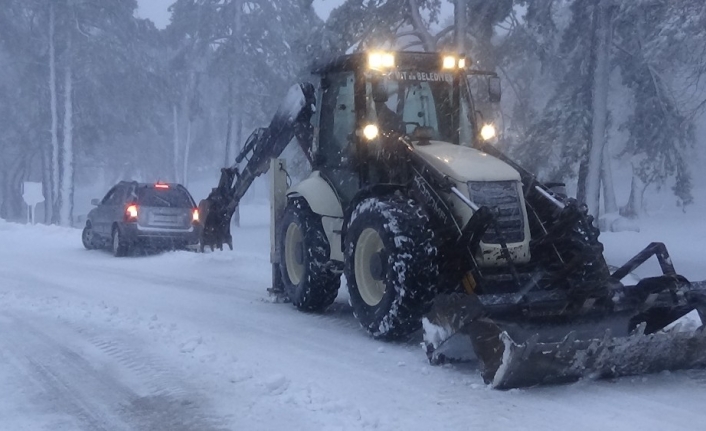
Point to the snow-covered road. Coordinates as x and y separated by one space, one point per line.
186 341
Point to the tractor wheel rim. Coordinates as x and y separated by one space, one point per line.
293 248
371 288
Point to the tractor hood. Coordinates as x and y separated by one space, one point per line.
465 164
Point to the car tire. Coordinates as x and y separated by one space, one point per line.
309 279
390 265
88 237
119 247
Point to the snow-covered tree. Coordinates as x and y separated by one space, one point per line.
661 49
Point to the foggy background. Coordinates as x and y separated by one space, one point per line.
93 92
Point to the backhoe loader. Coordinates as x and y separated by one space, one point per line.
435 228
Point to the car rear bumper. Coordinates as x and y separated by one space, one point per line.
161 237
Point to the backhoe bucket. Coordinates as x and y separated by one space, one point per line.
526 352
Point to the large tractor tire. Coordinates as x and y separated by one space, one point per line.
310 281
390 266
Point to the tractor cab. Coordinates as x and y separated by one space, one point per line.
368 99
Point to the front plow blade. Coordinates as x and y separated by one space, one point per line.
532 363
515 354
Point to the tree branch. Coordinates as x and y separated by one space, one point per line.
427 39
443 33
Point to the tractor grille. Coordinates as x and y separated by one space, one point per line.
503 196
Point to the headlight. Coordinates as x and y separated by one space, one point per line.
487 132
370 132
381 60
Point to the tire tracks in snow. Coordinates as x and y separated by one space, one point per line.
95 390
285 400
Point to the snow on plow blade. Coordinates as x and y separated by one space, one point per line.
514 354
532 363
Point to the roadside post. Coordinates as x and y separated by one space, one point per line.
32 195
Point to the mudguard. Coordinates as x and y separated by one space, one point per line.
319 194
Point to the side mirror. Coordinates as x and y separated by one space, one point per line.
95 202
494 89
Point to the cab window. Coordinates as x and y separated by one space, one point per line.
337 122
400 102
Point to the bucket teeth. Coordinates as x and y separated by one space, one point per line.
639 330
566 345
530 345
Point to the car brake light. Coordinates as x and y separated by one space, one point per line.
131 212
195 215
161 186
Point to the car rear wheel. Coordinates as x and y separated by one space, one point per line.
119 246
88 237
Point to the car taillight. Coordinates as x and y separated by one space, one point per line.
131 212
195 216
161 186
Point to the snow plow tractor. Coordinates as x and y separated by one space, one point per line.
435 228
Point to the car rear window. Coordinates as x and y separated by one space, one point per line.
172 198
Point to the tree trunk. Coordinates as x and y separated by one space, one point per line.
600 105
238 107
46 182
12 205
460 25
51 200
428 41
187 148
609 202
633 209
187 120
581 184
176 142
229 125
3 193
238 137
66 191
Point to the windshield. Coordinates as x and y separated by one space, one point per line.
402 101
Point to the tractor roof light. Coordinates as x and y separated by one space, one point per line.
449 62
381 60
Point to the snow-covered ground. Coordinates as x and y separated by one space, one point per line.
185 341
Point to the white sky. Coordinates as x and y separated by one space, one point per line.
324 7
156 10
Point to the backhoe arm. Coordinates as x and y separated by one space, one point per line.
292 120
